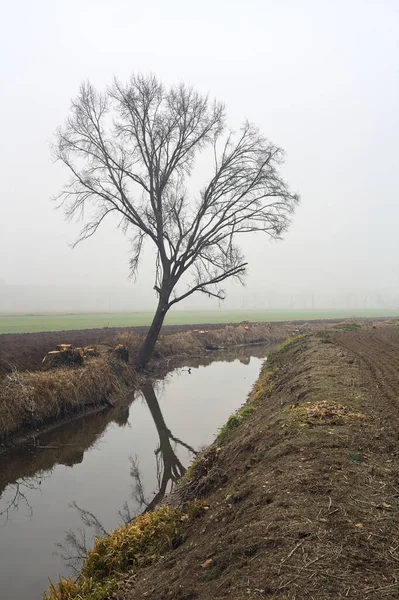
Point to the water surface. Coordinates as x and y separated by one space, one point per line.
115 462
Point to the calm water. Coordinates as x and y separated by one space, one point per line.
130 454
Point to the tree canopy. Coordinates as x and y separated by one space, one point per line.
131 150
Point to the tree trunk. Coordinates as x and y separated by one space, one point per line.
173 469
148 346
152 402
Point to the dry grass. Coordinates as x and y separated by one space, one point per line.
326 412
127 549
30 400
195 342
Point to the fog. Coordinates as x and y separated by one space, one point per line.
320 78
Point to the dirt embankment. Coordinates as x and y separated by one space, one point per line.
300 492
303 494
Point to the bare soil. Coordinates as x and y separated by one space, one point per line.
302 498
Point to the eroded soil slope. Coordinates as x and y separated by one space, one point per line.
302 497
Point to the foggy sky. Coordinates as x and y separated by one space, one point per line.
320 78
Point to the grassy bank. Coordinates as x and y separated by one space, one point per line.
31 401
26 323
299 491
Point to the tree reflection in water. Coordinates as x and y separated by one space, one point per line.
169 469
17 497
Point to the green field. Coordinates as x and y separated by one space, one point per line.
59 322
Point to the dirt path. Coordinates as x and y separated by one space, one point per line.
302 498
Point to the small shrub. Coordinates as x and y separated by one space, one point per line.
67 589
193 468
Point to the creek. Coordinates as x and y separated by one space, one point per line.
113 464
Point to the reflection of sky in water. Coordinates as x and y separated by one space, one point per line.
193 406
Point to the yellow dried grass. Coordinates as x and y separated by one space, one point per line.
194 342
30 400
123 552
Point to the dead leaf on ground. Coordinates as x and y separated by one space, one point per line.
207 563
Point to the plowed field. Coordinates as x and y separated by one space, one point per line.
378 353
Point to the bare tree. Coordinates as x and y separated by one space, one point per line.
131 150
